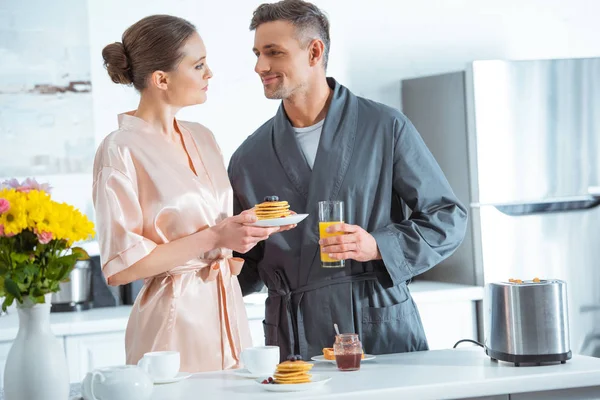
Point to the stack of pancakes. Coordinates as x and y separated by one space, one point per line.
272 209
292 372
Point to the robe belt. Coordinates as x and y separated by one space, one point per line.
282 290
210 270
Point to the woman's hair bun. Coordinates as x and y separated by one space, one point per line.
116 63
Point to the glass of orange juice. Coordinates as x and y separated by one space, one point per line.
330 213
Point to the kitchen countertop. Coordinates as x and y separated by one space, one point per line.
453 373
437 292
99 320
447 374
421 291
111 319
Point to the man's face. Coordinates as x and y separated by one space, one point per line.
282 63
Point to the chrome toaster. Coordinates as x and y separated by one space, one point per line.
527 321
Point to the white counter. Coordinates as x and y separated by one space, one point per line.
99 320
95 338
440 306
422 292
112 319
441 374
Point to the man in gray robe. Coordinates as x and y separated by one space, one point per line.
325 143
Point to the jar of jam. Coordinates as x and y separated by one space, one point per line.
348 352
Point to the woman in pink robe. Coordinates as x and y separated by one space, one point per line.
164 205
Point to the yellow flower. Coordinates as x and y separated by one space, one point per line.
15 219
37 212
25 207
38 205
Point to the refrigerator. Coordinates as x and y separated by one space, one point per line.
519 142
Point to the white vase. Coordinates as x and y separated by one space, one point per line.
36 367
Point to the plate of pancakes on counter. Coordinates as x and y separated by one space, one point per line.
273 212
293 375
329 356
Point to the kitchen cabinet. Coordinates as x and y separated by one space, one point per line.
564 394
447 323
257 332
91 339
96 338
88 352
448 312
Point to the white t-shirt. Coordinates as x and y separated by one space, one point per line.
308 138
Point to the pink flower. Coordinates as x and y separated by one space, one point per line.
4 205
44 237
27 185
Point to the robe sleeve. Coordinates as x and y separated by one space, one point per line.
119 222
437 224
249 278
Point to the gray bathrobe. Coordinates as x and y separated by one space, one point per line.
371 157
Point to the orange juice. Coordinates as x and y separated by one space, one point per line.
324 234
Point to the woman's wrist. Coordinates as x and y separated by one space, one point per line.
208 239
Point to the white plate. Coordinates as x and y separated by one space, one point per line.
179 377
244 373
317 382
322 358
292 219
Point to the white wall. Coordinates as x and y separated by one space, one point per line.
404 39
45 131
376 44
236 105
42 43
46 135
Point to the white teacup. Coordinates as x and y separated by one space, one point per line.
261 360
160 364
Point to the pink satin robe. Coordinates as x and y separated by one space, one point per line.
145 194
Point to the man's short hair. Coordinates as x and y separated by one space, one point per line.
309 21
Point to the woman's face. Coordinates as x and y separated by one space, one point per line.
188 82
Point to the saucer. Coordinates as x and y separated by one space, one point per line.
179 377
244 373
322 358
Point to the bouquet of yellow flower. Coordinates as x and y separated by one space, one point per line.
36 241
